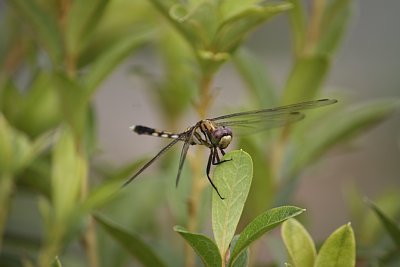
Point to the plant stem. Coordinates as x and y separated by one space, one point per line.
6 188
89 241
198 183
278 153
314 27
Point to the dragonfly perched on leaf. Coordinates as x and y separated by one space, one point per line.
217 133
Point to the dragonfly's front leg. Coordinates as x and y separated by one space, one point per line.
211 160
216 159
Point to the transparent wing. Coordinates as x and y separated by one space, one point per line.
253 125
273 112
182 137
184 151
264 119
151 161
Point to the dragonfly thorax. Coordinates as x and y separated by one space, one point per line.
218 136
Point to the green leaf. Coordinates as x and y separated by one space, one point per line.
233 180
231 8
262 224
262 188
180 83
334 23
299 244
56 262
81 21
6 193
131 243
253 72
390 225
114 55
69 170
74 103
348 124
16 150
233 30
298 25
204 247
167 9
44 25
339 250
370 231
104 193
243 259
305 78
39 109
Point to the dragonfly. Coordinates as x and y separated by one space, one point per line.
217 133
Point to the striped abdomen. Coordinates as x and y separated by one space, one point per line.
139 129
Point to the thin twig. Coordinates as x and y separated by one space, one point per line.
314 26
198 183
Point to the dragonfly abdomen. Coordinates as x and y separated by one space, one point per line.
139 129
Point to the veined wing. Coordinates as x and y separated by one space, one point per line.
253 125
159 154
263 119
185 148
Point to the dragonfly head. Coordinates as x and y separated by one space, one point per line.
221 137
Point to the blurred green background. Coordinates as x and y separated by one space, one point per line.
74 76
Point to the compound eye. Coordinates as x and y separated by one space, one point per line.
218 134
222 137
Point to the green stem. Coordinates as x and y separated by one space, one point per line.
6 189
314 27
198 183
89 240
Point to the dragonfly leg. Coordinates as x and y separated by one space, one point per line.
216 159
210 160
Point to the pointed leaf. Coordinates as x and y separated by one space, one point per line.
233 180
16 150
339 250
255 75
243 259
131 243
231 8
297 24
39 109
334 23
262 224
371 231
44 25
341 127
299 244
390 225
204 247
69 170
113 56
74 102
262 188
81 20
233 30
56 262
305 78
105 192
